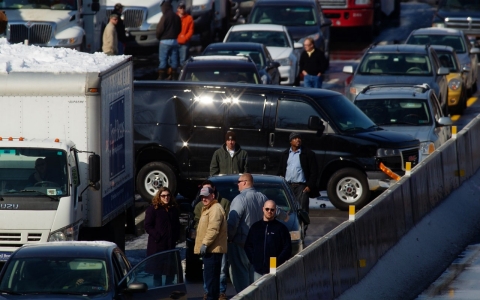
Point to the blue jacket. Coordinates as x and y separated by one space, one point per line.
265 240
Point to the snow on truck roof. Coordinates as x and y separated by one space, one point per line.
23 58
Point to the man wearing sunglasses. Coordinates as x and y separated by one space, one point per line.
267 238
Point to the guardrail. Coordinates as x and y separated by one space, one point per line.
343 257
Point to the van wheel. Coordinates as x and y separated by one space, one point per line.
153 176
348 187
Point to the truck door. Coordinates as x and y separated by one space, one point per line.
292 115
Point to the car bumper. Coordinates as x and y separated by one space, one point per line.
379 181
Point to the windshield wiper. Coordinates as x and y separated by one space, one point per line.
9 292
42 193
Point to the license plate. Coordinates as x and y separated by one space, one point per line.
5 255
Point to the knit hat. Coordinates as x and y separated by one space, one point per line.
181 4
230 136
294 135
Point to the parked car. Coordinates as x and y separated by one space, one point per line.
409 109
220 68
457 89
275 188
303 18
267 67
195 116
456 39
408 64
93 270
278 42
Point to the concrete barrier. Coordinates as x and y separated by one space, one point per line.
449 155
474 128
290 280
434 173
318 270
366 240
263 288
419 192
464 158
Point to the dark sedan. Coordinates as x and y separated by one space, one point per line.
267 68
275 188
89 270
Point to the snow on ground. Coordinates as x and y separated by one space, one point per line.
23 58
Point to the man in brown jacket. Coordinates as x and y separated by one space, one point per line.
211 241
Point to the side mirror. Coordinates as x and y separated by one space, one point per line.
136 287
445 121
443 71
94 168
475 50
315 123
298 45
327 23
348 69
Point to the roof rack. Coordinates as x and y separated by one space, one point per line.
424 87
239 57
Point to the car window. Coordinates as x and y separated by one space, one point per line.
222 75
293 115
256 56
448 60
268 38
284 15
396 111
454 41
246 112
411 64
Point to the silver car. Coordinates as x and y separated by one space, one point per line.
411 109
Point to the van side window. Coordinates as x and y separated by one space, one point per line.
247 112
209 109
294 115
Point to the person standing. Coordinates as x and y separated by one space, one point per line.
167 32
298 165
110 40
245 210
120 28
162 224
211 241
312 64
186 33
230 158
267 238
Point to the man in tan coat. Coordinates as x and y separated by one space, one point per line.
110 39
211 241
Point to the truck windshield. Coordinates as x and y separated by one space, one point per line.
33 170
39 4
284 15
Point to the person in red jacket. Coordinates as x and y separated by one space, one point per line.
186 33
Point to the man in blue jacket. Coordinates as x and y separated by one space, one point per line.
267 238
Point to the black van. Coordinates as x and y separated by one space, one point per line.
179 125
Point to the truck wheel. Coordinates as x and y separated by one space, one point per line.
153 176
347 187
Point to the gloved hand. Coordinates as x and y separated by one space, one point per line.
203 250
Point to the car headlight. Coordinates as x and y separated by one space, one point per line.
295 235
454 84
70 41
383 152
427 147
68 233
284 61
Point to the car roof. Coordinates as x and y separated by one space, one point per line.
235 46
401 48
285 2
98 249
443 48
257 179
219 61
258 27
402 91
437 31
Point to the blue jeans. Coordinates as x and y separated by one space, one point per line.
241 271
212 263
121 49
168 52
312 81
223 276
183 53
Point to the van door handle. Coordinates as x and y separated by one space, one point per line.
272 139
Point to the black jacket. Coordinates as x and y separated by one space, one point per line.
170 24
309 165
314 64
265 240
120 28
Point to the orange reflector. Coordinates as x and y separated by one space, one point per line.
93 90
1 139
431 148
57 140
21 139
10 138
389 172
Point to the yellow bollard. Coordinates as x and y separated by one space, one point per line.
273 265
454 132
408 168
351 213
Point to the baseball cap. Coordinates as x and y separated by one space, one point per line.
206 191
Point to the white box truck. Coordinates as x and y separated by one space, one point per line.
66 146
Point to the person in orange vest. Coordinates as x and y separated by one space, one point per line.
186 33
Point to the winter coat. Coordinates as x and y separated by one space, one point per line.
110 41
163 228
198 207
313 64
212 229
223 163
265 240
245 209
187 29
308 161
170 24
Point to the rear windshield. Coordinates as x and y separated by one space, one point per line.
284 15
222 75
268 38
454 41
411 64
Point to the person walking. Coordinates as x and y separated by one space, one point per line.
267 238
162 224
298 165
230 158
312 64
110 40
168 29
211 241
186 33
120 28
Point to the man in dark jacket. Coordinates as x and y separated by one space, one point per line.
299 167
267 238
230 158
168 30
312 64
120 27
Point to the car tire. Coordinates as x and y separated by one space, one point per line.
154 175
347 187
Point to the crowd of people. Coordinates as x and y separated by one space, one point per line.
238 235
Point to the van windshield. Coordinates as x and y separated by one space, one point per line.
39 4
345 115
